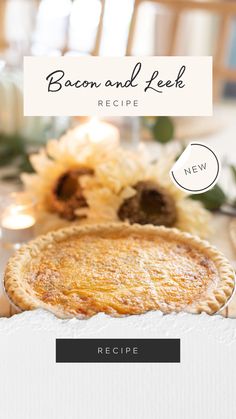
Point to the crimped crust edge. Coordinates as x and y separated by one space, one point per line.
25 301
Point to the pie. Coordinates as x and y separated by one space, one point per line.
119 269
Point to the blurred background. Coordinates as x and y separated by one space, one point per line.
113 28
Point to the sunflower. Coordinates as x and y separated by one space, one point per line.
77 180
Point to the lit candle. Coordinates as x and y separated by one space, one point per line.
98 131
17 220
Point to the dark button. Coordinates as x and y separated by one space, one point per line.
118 350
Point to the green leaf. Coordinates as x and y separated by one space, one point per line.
25 165
212 199
233 170
13 152
6 159
163 129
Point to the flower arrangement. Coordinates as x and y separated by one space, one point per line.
77 180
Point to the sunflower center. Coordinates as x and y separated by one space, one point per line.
67 186
67 195
151 205
151 201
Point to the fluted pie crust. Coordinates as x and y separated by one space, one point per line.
119 269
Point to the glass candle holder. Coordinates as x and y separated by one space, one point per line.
17 219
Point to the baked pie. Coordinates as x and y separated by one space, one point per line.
119 269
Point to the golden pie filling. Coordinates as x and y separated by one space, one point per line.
122 272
